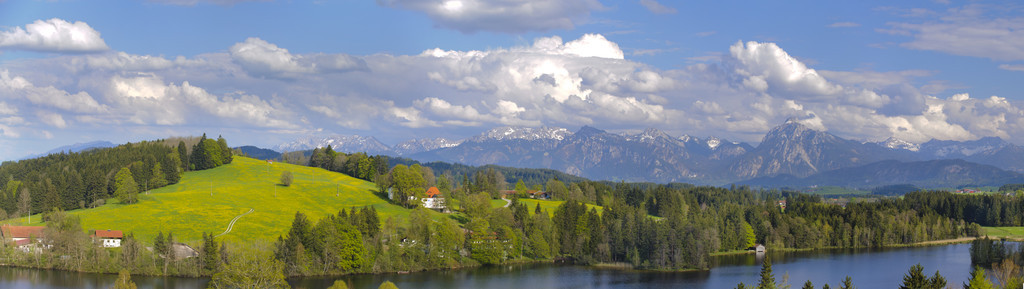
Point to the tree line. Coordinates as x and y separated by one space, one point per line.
87 179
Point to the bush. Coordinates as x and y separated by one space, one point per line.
286 178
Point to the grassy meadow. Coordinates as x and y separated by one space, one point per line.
1016 233
205 201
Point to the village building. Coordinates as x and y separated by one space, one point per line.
108 238
22 236
434 199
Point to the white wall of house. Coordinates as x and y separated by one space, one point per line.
111 243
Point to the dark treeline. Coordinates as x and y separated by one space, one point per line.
69 181
644 225
986 210
358 165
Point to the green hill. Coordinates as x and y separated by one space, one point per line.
206 201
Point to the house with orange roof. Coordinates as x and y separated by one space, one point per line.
434 199
108 238
22 236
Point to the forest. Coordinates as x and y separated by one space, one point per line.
642 225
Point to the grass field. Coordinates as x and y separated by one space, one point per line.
205 201
1004 232
550 206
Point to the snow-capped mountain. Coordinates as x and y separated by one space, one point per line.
947 149
894 143
523 133
425 144
340 143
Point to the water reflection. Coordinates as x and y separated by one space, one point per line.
869 269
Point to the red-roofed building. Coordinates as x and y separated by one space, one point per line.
434 199
108 238
21 235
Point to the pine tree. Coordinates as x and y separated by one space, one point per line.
808 285
767 278
978 280
848 283
126 188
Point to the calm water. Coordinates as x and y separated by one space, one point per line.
869 269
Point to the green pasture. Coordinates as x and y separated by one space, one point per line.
206 201
1004 232
550 206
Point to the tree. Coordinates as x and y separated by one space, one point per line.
286 178
183 155
124 280
520 187
157 178
978 280
338 284
767 278
225 151
127 189
848 283
250 270
808 285
211 256
387 285
749 237
915 279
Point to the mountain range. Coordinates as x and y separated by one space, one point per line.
789 154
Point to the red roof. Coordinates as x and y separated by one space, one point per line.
22 231
433 191
110 234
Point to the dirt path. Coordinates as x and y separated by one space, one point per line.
232 223
947 241
507 202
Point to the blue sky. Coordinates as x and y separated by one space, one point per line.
267 72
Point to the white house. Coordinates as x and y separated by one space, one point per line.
108 238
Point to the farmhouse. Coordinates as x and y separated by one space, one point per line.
22 236
434 199
108 238
539 195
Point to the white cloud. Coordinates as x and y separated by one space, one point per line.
844 25
54 35
737 95
19 88
507 16
51 119
262 58
657 8
7 109
974 30
1012 67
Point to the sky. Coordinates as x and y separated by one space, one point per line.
267 72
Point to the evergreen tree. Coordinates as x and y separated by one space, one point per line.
211 256
808 285
183 155
225 151
767 278
978 280
915 279
848 283
126 188
157 179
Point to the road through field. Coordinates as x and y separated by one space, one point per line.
232 223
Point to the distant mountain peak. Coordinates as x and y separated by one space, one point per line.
340 143
648 135
525 133
898 144
424 144
714 142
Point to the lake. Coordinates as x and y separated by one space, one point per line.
870 268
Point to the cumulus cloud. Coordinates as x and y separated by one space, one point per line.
738 95
53 35
262 58
507 16
657 8
974 30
